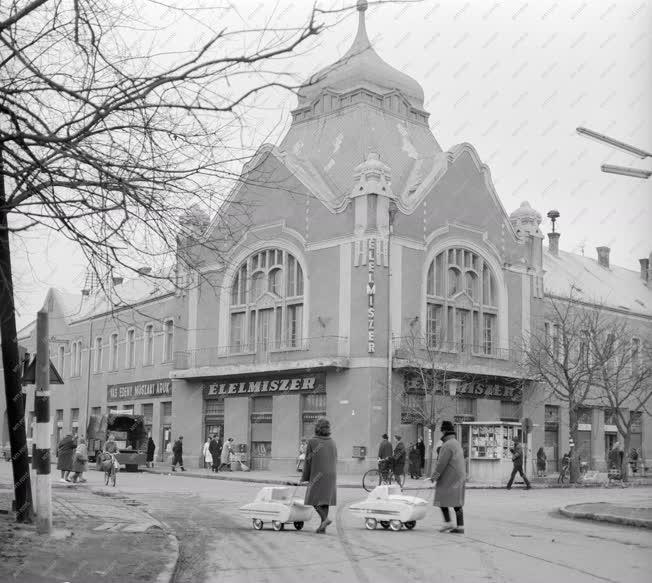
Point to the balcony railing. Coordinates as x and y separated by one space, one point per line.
262 352
410 348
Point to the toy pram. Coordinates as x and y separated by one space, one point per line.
278 505
386 504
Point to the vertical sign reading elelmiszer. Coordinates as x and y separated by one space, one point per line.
371 293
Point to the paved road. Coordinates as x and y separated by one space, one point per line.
510 536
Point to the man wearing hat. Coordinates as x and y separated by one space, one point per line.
450 475
384 454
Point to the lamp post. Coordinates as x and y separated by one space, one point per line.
392 216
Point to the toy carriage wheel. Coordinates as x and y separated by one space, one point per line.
258 524
370 523
298 525
278 525
410 524
384 524
395 525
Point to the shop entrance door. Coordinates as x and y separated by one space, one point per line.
551 449
610 440
584 448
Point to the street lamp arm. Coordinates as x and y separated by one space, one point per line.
613 143
625 171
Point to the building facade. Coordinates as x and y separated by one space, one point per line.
369 254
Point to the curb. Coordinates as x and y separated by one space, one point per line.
168 574
602 517
469 486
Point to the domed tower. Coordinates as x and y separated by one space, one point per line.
357 106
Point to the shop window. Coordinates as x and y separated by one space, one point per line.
131 348
466 316
215 408
261 429
510 411
166 409
267 302
97 366
313 406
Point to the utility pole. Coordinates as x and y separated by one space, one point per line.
12 369
42 413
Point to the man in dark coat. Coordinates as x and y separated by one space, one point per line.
384 454
517 460
319 470
214 450
422 454
65 451
151 447
398 464
450 475
177 454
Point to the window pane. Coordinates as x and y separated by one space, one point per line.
431 279
453 281
293 323
510 410
299 280
264 328
290 289
488 333
237 331
433 325
439 274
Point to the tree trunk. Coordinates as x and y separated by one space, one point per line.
624 469
12 371
429 452
574 455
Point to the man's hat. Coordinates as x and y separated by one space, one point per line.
397 437
385 436
447 427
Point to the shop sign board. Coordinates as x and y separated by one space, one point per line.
267 385
474 389
139 390
371 296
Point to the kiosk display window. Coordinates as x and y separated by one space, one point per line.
493 441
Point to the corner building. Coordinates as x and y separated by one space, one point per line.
364 234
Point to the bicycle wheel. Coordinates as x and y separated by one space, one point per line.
370 480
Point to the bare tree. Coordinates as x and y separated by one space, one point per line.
556 356
623 362
424 397
107 137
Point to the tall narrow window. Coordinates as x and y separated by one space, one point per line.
168 341
113 352
148 341
98 355
433 325
270 314
488 333
131 348
635 356
61 359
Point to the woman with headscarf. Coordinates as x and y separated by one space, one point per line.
151 447
65 451
450 475
79 461
320 472
541 462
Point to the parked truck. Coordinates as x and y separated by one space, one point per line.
130 437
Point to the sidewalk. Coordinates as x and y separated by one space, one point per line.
606 512
96 536
355 480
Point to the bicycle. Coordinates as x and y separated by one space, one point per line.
376 477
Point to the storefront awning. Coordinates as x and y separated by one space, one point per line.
336 362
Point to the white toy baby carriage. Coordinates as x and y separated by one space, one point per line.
386 504
279 506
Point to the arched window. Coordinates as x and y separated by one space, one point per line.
461 303
266 309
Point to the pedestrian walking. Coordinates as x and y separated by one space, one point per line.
177 454
541 462
301 458
65 451
421 447
214 448
398 462
151 448
385 452
633 460
414 461
79 461
517 461
450 475
226 452
206 453
320 472
565 464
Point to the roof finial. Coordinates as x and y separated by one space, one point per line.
361 41
362 5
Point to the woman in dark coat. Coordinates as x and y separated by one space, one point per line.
214 448
421 447
64 457
414 461
151 447
450 475
320 472
541 462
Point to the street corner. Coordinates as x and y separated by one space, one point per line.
636 516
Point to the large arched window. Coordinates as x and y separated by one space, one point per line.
266 309
461 303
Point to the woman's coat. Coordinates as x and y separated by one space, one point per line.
64 453
151 447
226 449
450 474
320 470
206 452
80 459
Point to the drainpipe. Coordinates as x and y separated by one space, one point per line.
392 214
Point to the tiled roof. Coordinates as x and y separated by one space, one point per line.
614 287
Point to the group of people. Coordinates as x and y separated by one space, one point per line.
216 457
72 459
393 457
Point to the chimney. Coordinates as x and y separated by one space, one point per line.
553 244
603 256
645 264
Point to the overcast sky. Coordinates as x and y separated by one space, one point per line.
513 78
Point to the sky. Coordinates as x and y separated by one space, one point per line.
513 78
